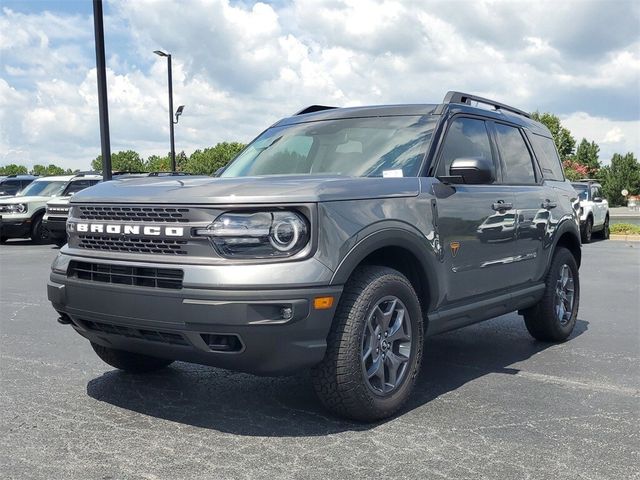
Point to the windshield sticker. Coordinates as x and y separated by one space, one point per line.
392 173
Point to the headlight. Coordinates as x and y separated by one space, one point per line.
19 208
258 234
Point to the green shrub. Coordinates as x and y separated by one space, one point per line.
625 229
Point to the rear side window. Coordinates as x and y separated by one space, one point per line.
466 138
547 156
515 154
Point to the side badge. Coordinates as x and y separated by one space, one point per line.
455 246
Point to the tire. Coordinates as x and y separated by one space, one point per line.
543 320
39 234
3 240
605 233
587 231
340 380
129 361
60 242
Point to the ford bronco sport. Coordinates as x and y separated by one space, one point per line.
593 211
337 240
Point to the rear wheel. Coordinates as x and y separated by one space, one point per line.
129 361
552 319
374 348
587 230
605 229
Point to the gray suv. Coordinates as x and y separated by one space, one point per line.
337 240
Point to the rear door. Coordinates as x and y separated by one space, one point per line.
476 223
534 201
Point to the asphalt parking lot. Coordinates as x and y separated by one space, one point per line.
490 401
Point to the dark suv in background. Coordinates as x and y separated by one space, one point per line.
13 184
338 240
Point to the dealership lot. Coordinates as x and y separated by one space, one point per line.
490 402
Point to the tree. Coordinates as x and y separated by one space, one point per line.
49 170
622 173
158 164
587 155
207 161
13 169
562 137
123 161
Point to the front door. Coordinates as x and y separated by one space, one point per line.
476 223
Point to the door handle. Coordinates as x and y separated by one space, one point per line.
501 205
548 204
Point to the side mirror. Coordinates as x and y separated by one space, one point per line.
472 171
597 199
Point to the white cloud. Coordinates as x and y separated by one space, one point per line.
612 136
238 67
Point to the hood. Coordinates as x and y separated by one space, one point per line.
271 189
59 200
13 200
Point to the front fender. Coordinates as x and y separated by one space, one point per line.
392 234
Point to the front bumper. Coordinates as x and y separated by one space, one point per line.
57 226
15 227
183 324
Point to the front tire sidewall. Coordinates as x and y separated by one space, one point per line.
339 379
39 234
390 401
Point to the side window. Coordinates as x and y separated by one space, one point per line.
547 156
466 138
595 192
516 156
10 187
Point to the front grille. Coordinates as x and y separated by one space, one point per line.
142 334
126 275
133 214
132 244
57 210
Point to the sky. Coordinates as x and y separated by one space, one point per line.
238 66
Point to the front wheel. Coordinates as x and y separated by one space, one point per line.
129 361
39 234
553 318
374 348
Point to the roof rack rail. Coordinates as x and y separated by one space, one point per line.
586 180
84 174
313 108
467 98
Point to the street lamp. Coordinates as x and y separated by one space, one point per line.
178 112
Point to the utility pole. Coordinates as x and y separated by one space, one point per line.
103 107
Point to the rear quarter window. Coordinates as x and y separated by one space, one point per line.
547 155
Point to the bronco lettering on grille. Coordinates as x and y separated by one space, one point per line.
130 229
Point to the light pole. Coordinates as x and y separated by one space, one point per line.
173 147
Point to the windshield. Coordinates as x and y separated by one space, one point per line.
78 185
43 188
362 147
583 191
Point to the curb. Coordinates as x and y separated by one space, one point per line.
625 238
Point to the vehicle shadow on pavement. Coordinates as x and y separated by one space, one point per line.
244 404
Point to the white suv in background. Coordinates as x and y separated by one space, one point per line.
594 209
21 216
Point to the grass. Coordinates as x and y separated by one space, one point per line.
625 229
